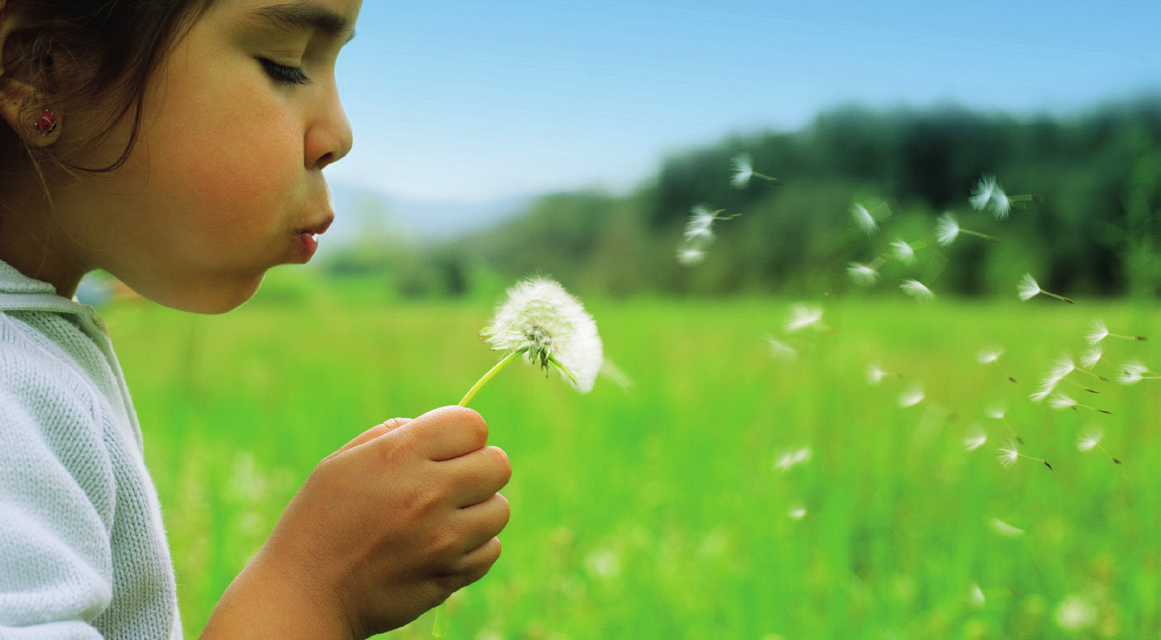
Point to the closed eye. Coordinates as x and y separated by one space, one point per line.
283 74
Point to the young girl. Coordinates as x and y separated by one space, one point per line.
179 145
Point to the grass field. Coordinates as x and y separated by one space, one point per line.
660 511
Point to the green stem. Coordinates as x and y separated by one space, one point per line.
489 375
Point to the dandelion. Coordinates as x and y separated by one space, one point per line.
1010 454
1062 401
975 440
863 218
699 233
912 396
862 274
803 316
1099 332
1086 442
1134 372
542 322
947 229
780 350
876 374
990 355
1092 357
1028 289
744 170
1066 365
988 194
903 251
791 459
796 513
917 290
982 193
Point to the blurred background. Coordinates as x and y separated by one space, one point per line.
798 455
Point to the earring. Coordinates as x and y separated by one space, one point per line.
46 123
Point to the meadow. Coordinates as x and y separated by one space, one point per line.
726 492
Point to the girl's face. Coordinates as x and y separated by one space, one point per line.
225 180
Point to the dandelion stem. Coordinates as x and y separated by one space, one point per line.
770 179
489 375
1048 293
978 234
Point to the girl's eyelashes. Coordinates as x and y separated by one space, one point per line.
283 74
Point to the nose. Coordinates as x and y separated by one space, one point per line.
330 137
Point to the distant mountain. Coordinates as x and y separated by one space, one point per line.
359 211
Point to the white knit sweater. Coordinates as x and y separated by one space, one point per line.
83 552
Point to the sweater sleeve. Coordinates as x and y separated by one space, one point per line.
57 495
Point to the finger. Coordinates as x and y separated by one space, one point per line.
483 521
372 433
445 433
477 476
477 562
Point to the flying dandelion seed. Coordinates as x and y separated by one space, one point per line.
1092 357
690 255
796 513
1133 372
1075 613
1086 442
975 440
1005 529
862 275
804 316
863 219
912 396
1099 332
976 597
780 350
983 192
947 229
988 194
875 374
1062 401
1010 454
1027 289
793 458
990 355
917 290
744 171
997 412
700 224
903 251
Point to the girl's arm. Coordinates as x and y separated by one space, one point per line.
383 530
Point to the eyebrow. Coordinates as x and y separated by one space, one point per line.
305 16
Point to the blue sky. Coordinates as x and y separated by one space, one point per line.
467 100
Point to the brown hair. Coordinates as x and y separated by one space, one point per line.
93 57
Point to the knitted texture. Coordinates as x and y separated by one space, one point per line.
83 553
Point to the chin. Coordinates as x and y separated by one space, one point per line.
208 298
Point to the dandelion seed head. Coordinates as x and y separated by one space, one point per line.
946 229
1088 441
552 328
700 224
1062 367
1000 204
743 171
1027 287
989 355
1132 372
863 218
917 290
996 412
1097 333
862 274
1042 393
903 251
1092 357
803 316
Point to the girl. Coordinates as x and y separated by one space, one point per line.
179 145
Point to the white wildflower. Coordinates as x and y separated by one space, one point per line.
863 275
540 320
917 290
903 251
946 229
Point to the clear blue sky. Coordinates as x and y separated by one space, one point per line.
462 100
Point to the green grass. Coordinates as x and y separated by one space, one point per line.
658 511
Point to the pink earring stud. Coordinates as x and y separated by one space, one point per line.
46 123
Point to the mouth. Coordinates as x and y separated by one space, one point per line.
307 236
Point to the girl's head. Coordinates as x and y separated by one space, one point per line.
190 139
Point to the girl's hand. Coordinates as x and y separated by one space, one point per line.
384 529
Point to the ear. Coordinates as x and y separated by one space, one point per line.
22 105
